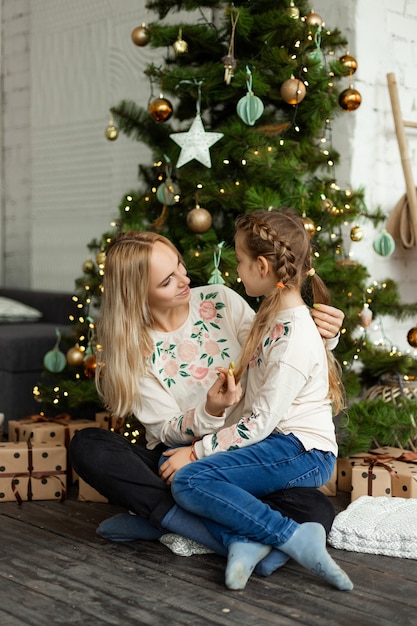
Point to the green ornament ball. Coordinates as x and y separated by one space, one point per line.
250 108
384 244
55 361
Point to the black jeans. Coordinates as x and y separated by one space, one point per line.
127 475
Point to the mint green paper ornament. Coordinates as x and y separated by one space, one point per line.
384 243
250 107
168 192
55 360
216 277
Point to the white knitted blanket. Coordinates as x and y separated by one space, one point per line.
377 526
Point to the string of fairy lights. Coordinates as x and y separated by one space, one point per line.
167 192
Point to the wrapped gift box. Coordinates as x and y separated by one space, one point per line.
109 422
86 493
32 471
405 483
344 470
372 479
55 430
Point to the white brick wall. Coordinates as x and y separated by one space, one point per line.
15 157
382 37
65 62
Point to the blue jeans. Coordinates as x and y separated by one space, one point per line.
226 487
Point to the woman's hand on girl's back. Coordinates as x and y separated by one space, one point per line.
328 320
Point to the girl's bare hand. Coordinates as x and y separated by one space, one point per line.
224 393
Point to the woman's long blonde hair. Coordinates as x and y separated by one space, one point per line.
125 321
280 236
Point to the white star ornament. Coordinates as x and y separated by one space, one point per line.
195 143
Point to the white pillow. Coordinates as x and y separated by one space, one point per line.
13 311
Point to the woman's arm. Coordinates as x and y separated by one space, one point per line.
165 422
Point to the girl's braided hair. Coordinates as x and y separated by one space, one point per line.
280 236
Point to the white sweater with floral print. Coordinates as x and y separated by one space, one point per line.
183 366
286 391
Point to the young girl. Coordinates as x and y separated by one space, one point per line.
285 436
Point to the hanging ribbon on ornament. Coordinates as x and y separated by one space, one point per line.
250 107
216 277
317 55
196 142
229 60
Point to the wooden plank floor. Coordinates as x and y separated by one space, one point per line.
54 569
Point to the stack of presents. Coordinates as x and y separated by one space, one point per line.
34 463
385 471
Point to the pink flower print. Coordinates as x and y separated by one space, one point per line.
226 439
187 351
188 421
207 310
211 347
171 368
253 361
198 372
277 332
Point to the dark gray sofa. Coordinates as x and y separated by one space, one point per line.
23 346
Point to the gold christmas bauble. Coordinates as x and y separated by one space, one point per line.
293 11
180 46
349 62
140 35
90 365
75 356
314 19
350 99
199 220
293 90
356 234
101 257
111 133
412 337
88 266
160 109
309 225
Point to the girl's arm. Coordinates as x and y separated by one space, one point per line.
166 423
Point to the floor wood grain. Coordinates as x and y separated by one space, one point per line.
54 569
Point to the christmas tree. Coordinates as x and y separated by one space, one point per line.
239 118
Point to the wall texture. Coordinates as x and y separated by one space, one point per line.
65 62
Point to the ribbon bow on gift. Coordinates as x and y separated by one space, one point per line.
35 475
378 460
62 418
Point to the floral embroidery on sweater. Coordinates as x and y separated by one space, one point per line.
191 358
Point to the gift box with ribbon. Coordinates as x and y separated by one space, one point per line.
40 428
32 471
373 477
109 422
